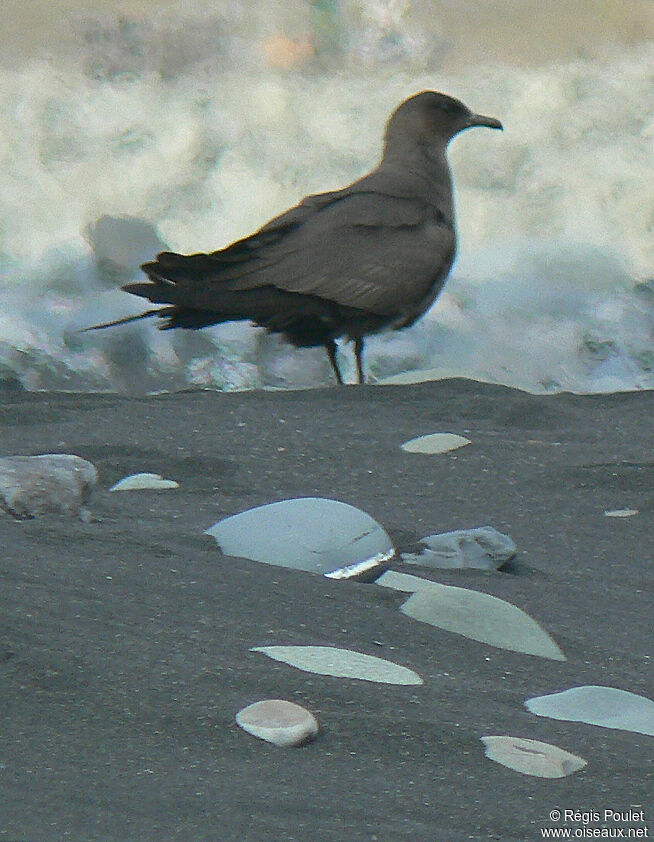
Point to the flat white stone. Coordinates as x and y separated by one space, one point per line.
435 443
136 482
621 513
342 663
594 704
481 617
51 483
403 581
307 533
482 548
532 757
278 722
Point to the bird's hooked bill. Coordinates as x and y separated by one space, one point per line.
482 120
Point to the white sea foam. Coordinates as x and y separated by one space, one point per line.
197 130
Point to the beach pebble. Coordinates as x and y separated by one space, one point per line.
532 757
278 722
435 443
483 548
593 704
621 513
153 482
52 483
342 663
308 533
481 617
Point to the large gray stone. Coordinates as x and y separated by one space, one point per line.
52 483
307 533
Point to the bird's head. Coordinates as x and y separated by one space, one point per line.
431 119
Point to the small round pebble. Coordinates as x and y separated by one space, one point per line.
278 722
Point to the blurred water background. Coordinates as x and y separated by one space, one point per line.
127 127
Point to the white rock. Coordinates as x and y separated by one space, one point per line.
279 722
481 617
52 483
483 548
532 757
342 663
403 581
307 533
152 482
594 704
621 513
435 443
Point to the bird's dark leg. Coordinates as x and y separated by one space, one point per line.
358 353
331 353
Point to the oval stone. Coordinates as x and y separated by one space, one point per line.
278 722
341 663
532 757
595 704
435 443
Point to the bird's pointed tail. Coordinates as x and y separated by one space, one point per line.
125 320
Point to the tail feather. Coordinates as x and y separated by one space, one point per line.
125 320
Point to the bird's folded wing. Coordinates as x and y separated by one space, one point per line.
367 250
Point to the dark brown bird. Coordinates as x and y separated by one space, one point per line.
348 263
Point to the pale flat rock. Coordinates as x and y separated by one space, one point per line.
308 533
435 443
342 663
532 757
279 722
594 704
482 548
481 617
403 581
621 513
137 482
52 483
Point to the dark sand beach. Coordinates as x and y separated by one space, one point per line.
124 644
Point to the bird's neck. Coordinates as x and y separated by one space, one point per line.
424 175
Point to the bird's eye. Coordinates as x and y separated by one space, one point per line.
450 108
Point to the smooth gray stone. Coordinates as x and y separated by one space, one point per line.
341 663
483 548
435 443
278 722
594 704
52 483
479 616
532 757
306 533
